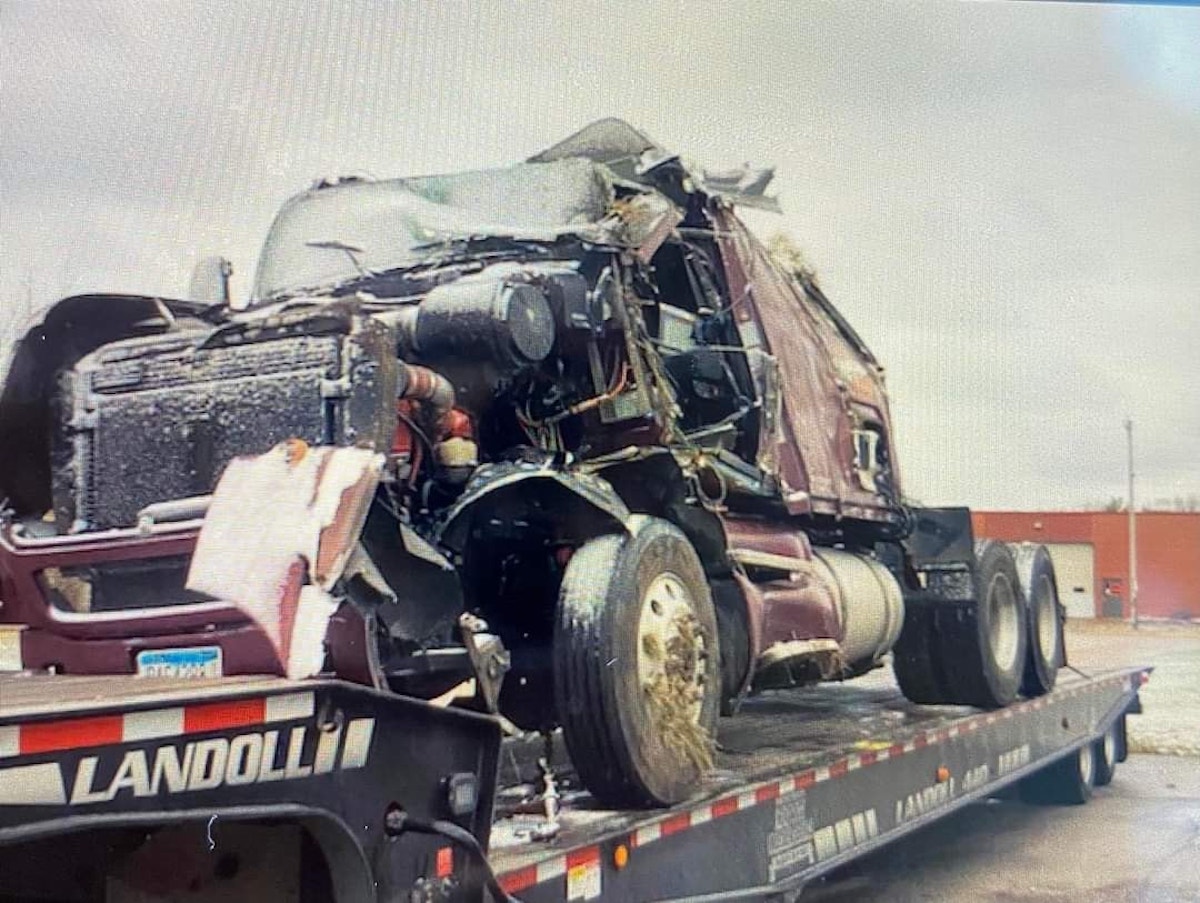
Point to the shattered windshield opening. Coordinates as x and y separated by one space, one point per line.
331 235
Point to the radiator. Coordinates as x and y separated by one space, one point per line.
152 419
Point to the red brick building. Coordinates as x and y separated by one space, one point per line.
1091 558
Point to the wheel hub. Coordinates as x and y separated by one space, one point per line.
1087 763
1004 621
1046 619
671 647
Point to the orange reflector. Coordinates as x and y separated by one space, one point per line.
621 856
1145 675
943 774
445 862
295 449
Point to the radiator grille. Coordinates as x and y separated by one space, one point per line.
157 420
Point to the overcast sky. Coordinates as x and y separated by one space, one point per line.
1003 198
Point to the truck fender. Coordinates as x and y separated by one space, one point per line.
576 505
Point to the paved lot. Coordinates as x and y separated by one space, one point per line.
1138 839
1171 722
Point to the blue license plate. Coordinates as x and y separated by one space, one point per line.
195 661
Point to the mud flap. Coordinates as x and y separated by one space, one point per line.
277 536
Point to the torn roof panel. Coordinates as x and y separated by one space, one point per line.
339 230
606 141
633 155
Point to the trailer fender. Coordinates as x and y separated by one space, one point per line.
574 506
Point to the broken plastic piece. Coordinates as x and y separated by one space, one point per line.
278 534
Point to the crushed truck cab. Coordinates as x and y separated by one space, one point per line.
628 469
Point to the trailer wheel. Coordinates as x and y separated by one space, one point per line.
1122 738
983 643
636 666
1039 590
1067 782
1105 750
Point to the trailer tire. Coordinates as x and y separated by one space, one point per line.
636 632
1039 589
913 658
1120 729
983 642
1067 782
1106 756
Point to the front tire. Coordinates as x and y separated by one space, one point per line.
636 666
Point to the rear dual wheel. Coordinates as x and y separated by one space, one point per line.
1040 591
636 676
915 658
987 641
969 652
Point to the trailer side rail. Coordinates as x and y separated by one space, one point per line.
781 833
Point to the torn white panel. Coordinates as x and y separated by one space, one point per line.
306 654
277 535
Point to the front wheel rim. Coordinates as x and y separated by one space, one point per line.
1110 746
671 648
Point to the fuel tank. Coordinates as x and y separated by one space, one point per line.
869 601
836 610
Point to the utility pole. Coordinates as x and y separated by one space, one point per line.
1133 581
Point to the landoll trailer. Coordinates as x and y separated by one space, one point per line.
517 480
125 788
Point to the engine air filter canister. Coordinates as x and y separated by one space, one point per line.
510 324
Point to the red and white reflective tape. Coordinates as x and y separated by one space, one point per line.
524 878
155 724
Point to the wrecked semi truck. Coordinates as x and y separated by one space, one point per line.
577 447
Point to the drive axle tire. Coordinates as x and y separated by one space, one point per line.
1067 782
913 658
983 642
636 667
1035 569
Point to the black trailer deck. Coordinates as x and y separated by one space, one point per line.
98 764
806 780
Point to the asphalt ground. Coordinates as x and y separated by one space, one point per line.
1137 841
1170 724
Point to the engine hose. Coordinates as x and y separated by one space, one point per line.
465 839
423 384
